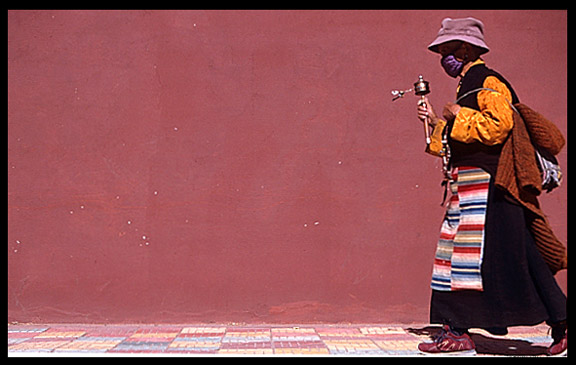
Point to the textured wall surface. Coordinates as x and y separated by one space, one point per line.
183 166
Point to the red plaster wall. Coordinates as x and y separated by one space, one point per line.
198 166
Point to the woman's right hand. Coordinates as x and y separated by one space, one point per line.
425 110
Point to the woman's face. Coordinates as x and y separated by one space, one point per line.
455 48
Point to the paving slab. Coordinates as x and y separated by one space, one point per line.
362 340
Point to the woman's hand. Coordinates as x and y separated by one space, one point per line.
450 111
425 110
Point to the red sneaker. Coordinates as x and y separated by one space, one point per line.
448 343
559 347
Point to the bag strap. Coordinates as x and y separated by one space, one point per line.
487 89
472 92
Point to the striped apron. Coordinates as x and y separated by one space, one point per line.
458 261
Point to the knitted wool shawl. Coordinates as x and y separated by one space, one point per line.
519 175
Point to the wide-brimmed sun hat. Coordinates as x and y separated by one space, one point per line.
469 30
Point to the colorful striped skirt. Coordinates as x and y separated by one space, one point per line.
458 260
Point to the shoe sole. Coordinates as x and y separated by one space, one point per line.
451 353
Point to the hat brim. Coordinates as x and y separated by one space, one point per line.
452 37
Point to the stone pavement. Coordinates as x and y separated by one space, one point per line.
253 340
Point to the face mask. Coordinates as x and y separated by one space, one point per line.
451 65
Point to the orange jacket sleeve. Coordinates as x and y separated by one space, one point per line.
492 123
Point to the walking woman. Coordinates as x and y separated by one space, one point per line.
492 268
